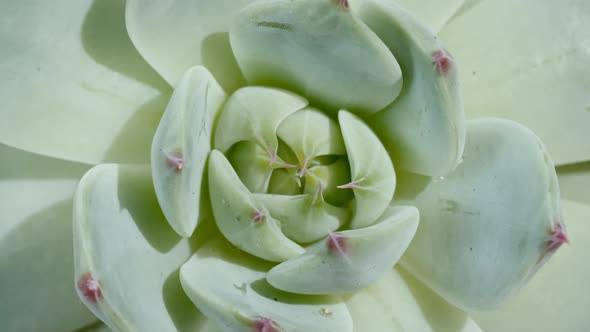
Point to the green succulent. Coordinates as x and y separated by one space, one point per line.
312 170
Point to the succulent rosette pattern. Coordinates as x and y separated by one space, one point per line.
312 169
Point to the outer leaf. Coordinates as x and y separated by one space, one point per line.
36 259
371 170
535 73
424 129
181 146
556 299
574 181
242 220
486 227
127 258
350 260
72 84
229 287
317 49
174 35
399 303
433 14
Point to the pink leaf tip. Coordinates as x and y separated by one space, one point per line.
441 61
337 244
264 324
89 287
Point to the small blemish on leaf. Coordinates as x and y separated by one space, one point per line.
243 288
325 312
275 25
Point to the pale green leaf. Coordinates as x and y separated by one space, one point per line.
311 133
557 298
174 35
318 49
433 14
72 84
228 286
180 148
254 114
424 129
350 260
400 303
531 66
484 228
242 220
36 257
372 173
304 218
127 257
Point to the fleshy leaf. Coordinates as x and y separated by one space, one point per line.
433 14
350 260
535 70
36 258
174 35
372 173
252 164
574 182
318 49
243 221
254 114
127 258
304 218
399 302
310 133
180 148
76 89
489 225
557 297
424 129
229 287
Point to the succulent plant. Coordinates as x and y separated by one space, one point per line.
309 183
324 178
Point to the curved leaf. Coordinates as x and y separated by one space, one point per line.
174 35
424 129
229 287
318 49
489 225
127 258
349 260
76 89
181 146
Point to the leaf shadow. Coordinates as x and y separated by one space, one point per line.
183 313
133 143
136 194
19 164
37 270
105 39
437 311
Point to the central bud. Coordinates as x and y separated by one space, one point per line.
291 160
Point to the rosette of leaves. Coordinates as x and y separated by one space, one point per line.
287 185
